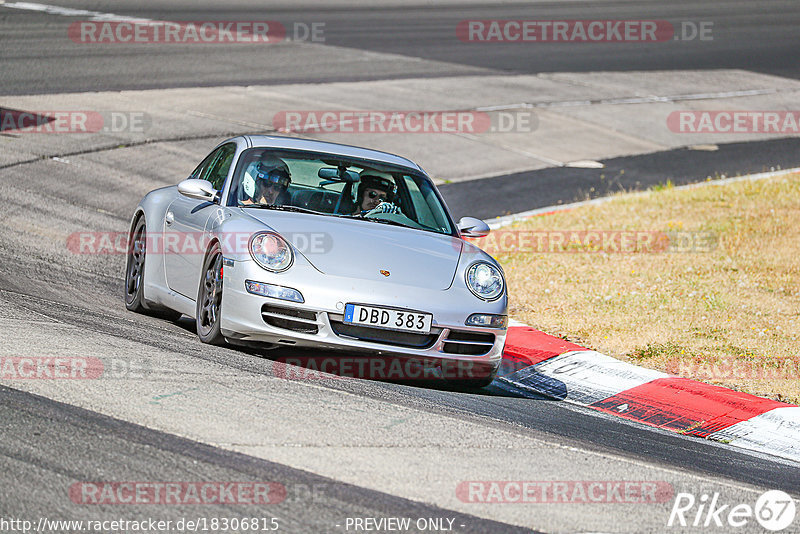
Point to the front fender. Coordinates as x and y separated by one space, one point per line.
469 255
153 207
233 229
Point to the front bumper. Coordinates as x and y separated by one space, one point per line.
317 323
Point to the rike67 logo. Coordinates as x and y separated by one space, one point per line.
774 510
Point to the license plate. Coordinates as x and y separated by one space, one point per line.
390 319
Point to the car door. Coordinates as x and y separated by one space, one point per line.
185 223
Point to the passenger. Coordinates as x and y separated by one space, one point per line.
375 193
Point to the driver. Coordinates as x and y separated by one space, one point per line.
375 193
265 181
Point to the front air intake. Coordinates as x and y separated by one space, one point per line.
468 343
293 319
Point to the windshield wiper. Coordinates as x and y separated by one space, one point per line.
382 221
281 208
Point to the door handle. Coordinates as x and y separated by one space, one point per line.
169 218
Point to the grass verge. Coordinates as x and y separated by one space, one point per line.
708 286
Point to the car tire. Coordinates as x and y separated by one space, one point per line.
209 298
134 275
134 269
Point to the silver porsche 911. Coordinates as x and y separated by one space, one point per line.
288 242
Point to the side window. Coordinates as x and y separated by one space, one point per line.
198 172
424 215
426 205
221 164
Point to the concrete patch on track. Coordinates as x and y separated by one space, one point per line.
588 116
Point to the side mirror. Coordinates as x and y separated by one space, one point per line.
198 190
472 227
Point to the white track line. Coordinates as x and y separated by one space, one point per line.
632 100
95 16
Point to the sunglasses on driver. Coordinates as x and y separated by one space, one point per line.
276 178
379 196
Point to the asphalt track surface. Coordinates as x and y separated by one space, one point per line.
310 504
46 445
36 60
519 192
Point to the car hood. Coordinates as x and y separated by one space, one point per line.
366 250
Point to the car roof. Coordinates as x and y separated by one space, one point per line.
311 145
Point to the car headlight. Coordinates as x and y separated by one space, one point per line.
271 251
487 320
485 280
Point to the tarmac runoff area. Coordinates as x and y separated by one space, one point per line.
371 435
457 128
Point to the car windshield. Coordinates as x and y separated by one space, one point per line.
333 186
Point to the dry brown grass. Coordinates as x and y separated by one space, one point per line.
727 316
